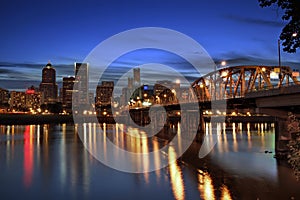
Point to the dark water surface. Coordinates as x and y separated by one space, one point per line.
50 162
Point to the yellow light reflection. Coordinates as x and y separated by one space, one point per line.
104 141
225 138
220 140
235 144
175 175
205 186
156 157
225 193
145 151
179 138
263 145
249 136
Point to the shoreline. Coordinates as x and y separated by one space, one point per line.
24 119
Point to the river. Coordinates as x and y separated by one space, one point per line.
49 161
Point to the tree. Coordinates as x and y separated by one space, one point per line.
294 144
290 34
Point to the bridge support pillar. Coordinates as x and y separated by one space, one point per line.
281 138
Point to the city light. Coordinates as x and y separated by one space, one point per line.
223 63
224 74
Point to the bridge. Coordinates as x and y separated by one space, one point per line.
269 90
240 81
264 92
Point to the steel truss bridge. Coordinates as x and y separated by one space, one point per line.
238 81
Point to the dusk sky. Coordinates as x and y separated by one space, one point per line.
64 32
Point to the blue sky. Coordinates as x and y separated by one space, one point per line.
33 32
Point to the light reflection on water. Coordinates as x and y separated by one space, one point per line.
50 160
175 176
206 187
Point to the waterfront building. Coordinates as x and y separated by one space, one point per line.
124 98
48 86
25 101
67 92
33 98
104 93
4 96
81 83
136 77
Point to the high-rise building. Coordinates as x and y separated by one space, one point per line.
81 83
104 93
130 83
67 92
4 96
48 86
17 100
24 101
124 99
136 77
33 98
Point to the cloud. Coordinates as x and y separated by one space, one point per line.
235 59
254 21
19 76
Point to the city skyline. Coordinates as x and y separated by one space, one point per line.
241 34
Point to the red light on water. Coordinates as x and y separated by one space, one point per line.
28 157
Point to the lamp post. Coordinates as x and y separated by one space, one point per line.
222 64
279 56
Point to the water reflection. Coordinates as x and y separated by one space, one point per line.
225 193
44 153
176 176
28 155
51 160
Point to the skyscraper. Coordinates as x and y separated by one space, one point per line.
4 96
136 77
81 83
104 93
48 85
67 92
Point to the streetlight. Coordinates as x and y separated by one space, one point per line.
223 63
279 56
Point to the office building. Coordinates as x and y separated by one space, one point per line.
33 98
48 86
136 77
25 101
104 93
4 96
81 83
67 92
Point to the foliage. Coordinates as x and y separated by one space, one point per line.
294 144
291 14
294 156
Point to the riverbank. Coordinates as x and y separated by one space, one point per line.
22 119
